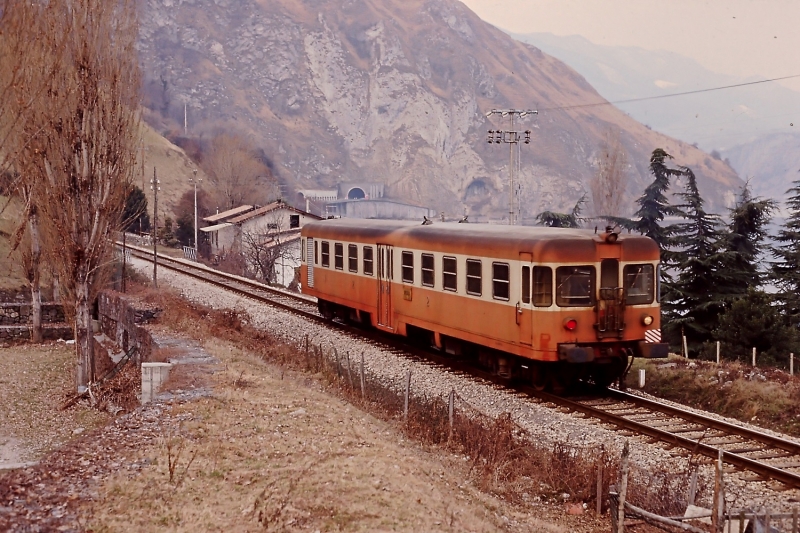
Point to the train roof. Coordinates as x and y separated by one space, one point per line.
493 238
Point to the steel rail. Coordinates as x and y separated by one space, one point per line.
745 463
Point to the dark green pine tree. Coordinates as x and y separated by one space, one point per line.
697 296
746 240
134 215
786 270
653 204
551 219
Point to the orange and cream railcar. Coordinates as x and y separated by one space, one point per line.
544 303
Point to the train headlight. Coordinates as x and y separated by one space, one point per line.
570 324
647 320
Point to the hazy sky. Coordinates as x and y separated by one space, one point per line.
739 37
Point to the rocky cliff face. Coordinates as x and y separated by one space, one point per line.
393 91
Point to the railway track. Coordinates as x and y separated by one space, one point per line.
770 458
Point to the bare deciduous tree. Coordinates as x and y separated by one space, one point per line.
264 251
611 179
238 175
78 147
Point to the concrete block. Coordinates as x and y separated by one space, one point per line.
153 375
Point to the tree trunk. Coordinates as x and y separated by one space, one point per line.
83 336
34 277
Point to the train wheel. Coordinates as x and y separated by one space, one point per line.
325 309
604 375
563 378
539 378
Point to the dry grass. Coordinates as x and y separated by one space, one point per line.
767 397
33 381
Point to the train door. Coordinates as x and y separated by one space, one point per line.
385 264
611 301
310 261
525 304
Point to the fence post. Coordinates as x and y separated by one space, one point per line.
767 521
338 366
791 364
450 412
623 489
718 511
599 488
349 371
692 488
363 385
641 378
754 356
408 390
741 522
717 352
685 348
794 520
613 507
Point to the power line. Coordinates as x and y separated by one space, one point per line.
669 95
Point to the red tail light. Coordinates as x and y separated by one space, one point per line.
570 324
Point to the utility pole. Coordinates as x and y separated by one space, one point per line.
512 138
154 185
195 181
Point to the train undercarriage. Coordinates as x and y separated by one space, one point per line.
610 363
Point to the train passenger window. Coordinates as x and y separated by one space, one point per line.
474 277
575 286
302 250
542 286
352 257
408 267
638 280
427 270
449 275
526 285
338 256
500 281
368 260
326 254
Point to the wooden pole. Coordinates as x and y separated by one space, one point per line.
754 356
791 364
613 508
692 488
408 391
349 371
685 348
599 489
767 521
794 520
155 229
623 489
741 522
363 385
450 411
718 510
717 352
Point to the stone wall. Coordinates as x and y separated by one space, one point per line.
121 318
19 313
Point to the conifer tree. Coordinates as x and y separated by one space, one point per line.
746 238
653 204
697 297
786 270
551 219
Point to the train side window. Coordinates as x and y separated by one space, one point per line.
302 250
575 286
427 270
500 281
368 260
408 267
526 284
338 256
326 254
352 258
474 277
542 286
449 274
638 280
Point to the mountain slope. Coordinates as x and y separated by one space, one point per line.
715 120
771 163
390 91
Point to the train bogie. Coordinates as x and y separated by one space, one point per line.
549 305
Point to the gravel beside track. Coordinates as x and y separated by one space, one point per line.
543 420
